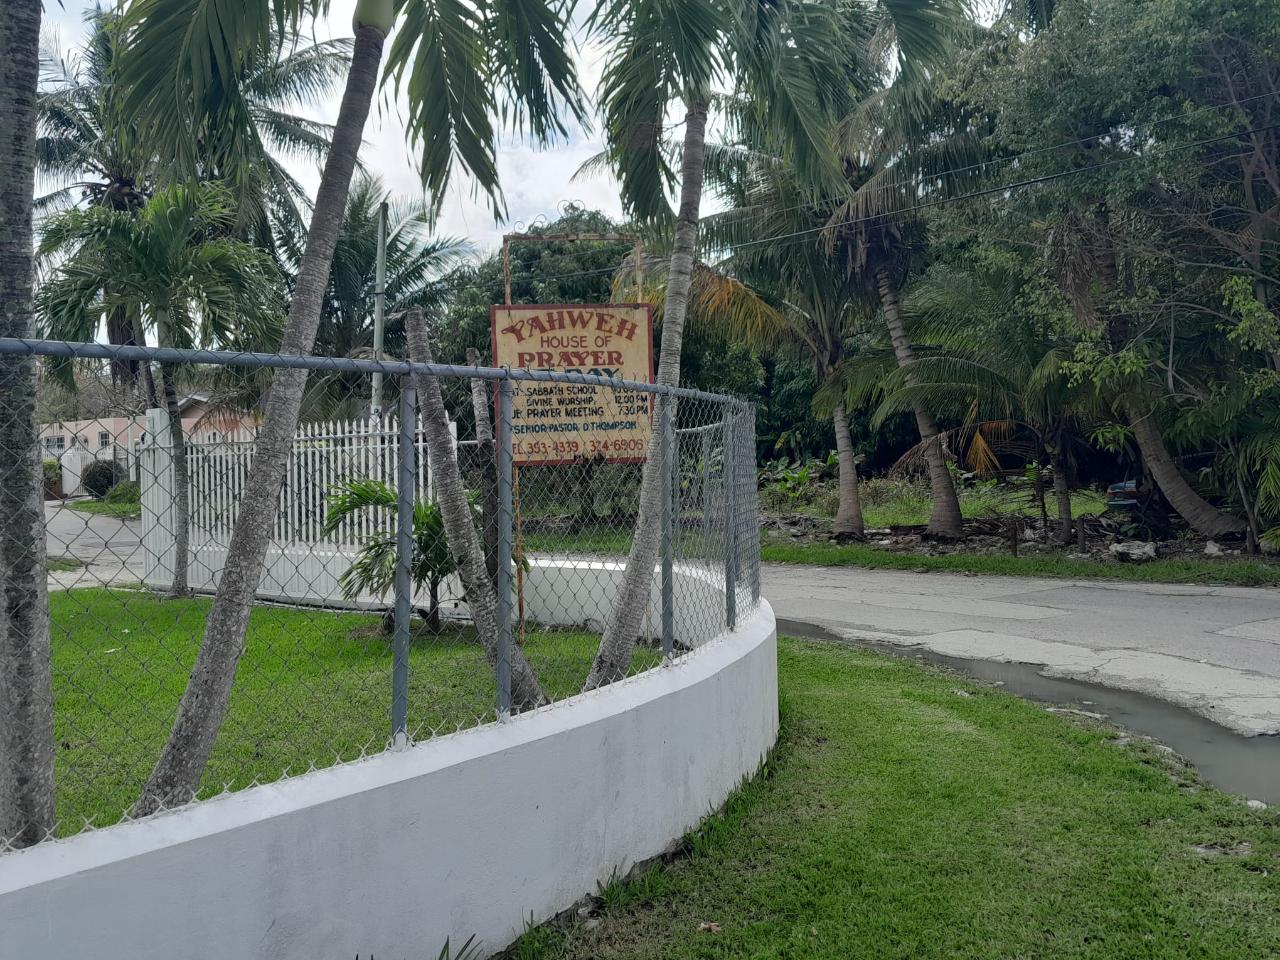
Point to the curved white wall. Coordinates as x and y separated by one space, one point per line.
469 834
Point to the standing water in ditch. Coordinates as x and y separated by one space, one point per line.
1247 766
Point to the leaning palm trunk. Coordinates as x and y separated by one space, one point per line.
848 522
944 519
464 545
177 773
488 461
1202 516
26 692
181 485
613 658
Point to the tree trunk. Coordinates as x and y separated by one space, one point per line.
455 511
26 686
177 773
433 605
1062 493
181 486
488 466
613 658
1202 517
945 519
848 520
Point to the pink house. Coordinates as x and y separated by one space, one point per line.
100 435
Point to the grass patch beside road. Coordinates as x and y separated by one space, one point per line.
908 814
1242 572
313 687
103 508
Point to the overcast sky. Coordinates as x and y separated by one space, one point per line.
535 182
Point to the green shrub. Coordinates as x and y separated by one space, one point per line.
100 476
52 479
126 491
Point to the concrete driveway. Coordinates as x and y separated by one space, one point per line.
1215 650
110 549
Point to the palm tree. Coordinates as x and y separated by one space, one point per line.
784 59
779 293
415 263
90 151
996 366
374 569
173 265
26 681
898 137
460 64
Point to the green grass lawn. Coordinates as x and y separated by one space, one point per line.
1244 571
125 510
908 814
313 687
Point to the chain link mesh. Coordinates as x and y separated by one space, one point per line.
315 682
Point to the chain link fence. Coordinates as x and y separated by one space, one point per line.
366 631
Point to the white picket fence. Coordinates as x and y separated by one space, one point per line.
303 563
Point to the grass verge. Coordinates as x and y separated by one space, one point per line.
909 814
313 688
1244 572
124 510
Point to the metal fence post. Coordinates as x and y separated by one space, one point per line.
406 484
502 585
730 473
706 491
668 546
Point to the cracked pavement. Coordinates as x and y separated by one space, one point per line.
1214 650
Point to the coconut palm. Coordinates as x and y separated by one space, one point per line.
793 65
26 686
778 294
173 265
89 151
784 58
460 66
415 264
997 366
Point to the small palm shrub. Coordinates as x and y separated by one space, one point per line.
374 569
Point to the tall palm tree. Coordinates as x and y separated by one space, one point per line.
90 151
995 365
784 59
26 673
415 265
794 64
173 265
775 291
460 66
900 136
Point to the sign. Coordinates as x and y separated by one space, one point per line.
556 423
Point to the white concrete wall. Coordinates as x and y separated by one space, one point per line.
472 833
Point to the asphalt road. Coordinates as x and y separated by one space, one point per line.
110 549
1215 650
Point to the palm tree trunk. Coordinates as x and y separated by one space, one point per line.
488 466
26 689
455 511
848 522
1203 517
1062 494
945 519
613 658
181 765
181 485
